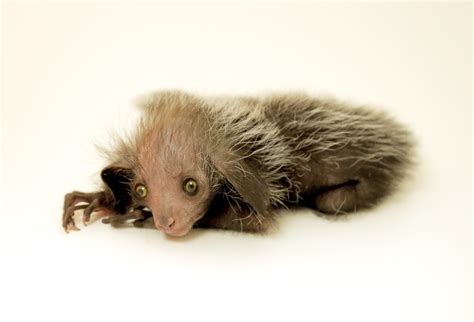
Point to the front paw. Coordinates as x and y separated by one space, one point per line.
89 202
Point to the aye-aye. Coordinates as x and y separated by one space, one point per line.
230 162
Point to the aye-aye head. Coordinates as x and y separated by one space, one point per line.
174 165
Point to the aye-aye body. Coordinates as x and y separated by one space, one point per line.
230 162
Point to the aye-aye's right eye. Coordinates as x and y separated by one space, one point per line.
190 187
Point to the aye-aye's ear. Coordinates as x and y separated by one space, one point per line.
118 180
247 181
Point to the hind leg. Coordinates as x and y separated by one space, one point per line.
338 199
350 195
343 186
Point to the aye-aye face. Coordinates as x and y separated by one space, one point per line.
173 180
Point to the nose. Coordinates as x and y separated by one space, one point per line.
166 222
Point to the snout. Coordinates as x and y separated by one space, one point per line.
169 225
165 222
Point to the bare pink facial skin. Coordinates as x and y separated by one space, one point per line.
167 159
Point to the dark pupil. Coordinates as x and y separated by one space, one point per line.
191 185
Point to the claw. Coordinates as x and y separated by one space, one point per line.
91 202
71 226
68 220
86 216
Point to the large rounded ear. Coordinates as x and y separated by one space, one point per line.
118 180
247 181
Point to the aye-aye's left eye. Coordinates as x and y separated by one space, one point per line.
190 186
141 191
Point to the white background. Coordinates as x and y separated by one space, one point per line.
70 74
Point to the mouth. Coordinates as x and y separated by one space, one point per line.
178 233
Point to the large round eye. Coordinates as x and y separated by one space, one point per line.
190 187
140 191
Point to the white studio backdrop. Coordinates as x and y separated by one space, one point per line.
70 73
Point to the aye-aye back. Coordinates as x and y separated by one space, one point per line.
230 162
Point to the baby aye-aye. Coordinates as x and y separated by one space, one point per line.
230 162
